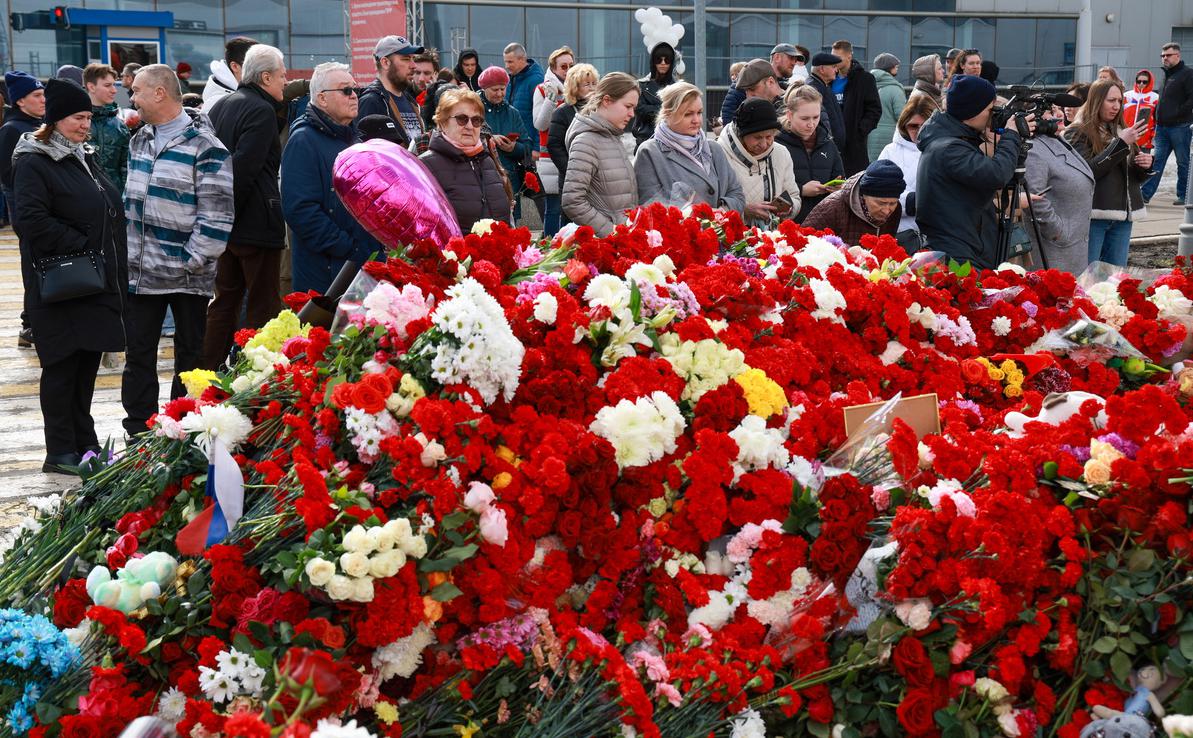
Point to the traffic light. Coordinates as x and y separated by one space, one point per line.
61 16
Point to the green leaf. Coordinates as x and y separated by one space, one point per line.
1187 645
455 520
242 643
47 713
1120 666
635 300
1141 559
1106 645
445 592
960 269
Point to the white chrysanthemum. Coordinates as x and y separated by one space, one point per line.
758 447
217 422
828 300
486 356
216 685
642 431
1001 325
1172 303
748 724
252 680
171 706
333 728
1104 293
705 365
232 662
546 308
716 613
819 254
403 657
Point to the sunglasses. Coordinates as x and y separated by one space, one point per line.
1168 54
800 58
1141 81
463 120
346 91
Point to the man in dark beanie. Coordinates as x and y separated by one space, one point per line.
867 203
27 104
956 181
824 71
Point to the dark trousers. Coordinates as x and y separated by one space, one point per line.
244 273
66 389
143 316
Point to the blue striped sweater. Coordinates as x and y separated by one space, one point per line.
179 207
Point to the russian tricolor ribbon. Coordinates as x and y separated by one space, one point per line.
225 495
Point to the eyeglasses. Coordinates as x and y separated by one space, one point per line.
462 120
800 58
346 91
1168 54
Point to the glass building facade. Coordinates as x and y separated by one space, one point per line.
1027 47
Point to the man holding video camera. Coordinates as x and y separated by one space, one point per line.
956 183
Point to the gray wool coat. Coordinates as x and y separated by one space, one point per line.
1062 176
659 168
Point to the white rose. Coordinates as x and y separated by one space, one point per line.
915 614
340 587
357 539
320 571
415 547
355 564
400 527
386 564
362 590
1006 723
380 539
241 383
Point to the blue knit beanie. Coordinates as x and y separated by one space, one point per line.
968 95
19 85
882 178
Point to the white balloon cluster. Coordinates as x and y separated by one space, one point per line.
658 29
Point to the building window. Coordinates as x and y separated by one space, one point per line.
268 21
891 35
931 36
445 27
851 28
805 30
196 49
1056 50
976 33
492 28
1015 50
751 35
547 29
606 38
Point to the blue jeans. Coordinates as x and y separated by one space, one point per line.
1109 241
552 212
1170 139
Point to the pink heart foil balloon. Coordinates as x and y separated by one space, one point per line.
393 195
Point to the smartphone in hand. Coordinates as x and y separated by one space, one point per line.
513 136
781 205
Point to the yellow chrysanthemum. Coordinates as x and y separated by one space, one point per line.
386 712
197 380
763 394
467 732
279 330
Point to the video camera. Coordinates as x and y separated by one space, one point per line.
1023 103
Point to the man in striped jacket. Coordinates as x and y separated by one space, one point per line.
179 205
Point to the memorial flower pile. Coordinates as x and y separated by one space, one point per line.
605 487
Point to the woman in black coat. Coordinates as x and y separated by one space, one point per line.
815 159
581 80
66 205
463 163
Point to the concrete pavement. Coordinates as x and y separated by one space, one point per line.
22 446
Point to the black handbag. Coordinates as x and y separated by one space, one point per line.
73 275
70 276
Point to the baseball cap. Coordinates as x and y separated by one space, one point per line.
787 49
394 45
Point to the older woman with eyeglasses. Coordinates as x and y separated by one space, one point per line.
465 165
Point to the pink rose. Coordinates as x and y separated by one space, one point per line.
493 526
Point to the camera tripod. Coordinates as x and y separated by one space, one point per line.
1009 200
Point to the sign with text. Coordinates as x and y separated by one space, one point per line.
369 21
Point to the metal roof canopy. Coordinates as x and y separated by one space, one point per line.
140 18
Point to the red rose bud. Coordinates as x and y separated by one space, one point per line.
304 667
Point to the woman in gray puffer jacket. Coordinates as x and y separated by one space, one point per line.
599 185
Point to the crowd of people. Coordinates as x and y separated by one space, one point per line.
183 206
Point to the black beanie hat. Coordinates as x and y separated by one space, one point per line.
65 98
882 178
756 115
968 95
